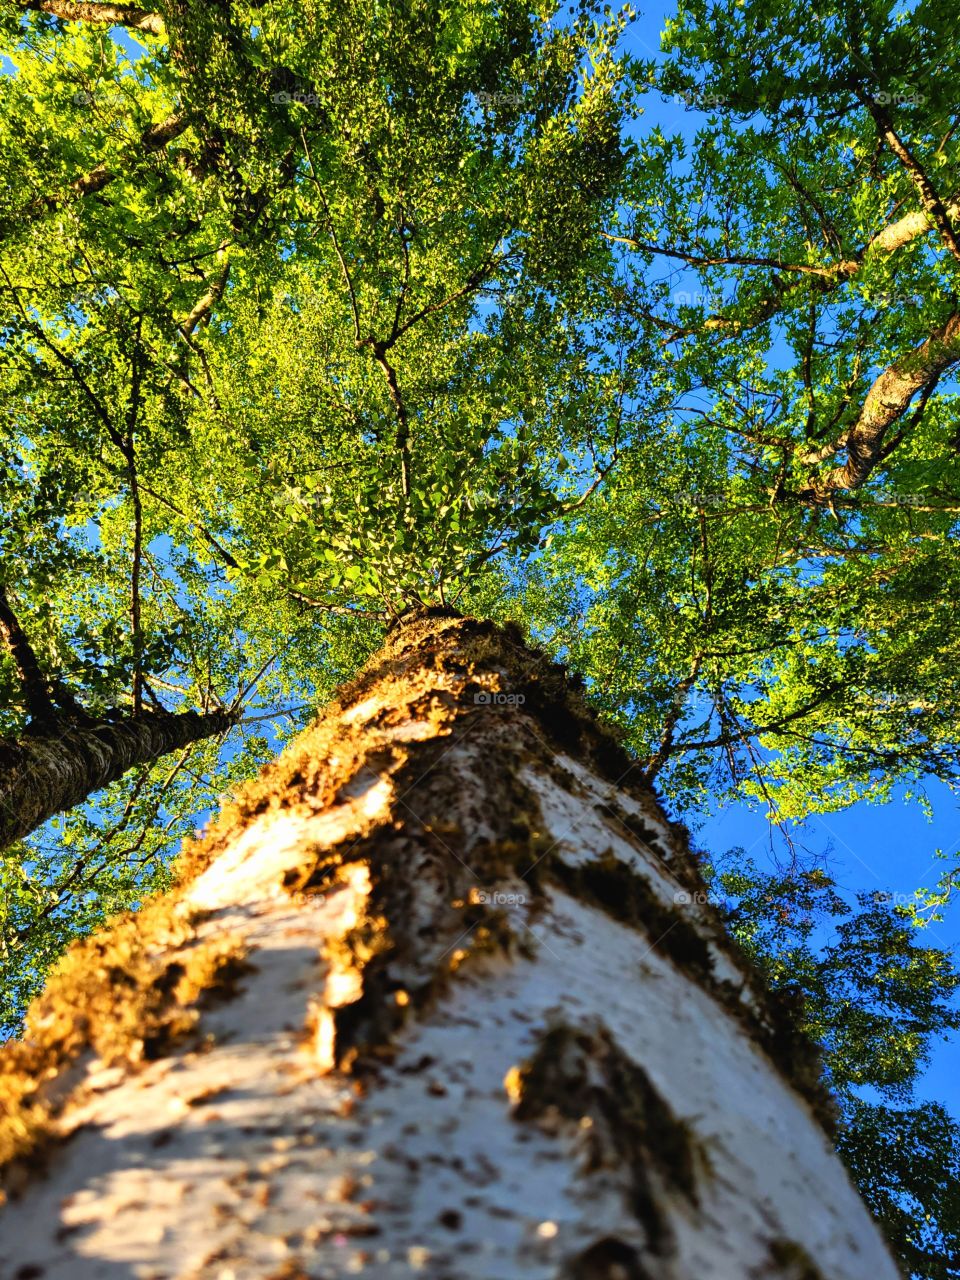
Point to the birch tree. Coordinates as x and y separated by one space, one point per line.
297 343
441 993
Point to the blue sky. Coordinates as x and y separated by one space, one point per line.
888 848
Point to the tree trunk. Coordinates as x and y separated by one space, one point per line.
45 773
439 995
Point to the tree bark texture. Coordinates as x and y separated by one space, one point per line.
123 15
50 771
440 995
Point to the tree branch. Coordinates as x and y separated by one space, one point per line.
695 260
929 198
113 15
472 283
824 279
36 689
208 537
44 774
155 138
742 733
336 243
659 757
66 362
885 403
206 304
403 424
129 452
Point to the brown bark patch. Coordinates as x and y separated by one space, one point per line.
773 1018
432 667
627 896
608 1259
580 1082
790 1261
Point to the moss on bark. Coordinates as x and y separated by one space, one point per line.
580 1081
463 826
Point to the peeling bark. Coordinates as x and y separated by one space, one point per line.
484 1023
908 228
56 768
934 207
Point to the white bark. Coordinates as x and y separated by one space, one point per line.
254 1156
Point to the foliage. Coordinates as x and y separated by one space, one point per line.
761 593
906 1163
876 998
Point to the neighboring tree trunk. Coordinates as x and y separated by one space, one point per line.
54 769
439 995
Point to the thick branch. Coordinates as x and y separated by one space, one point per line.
48 773
205 305
885 403
908 228
934 206
155 138
111 15
76 882
36 692
152 139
